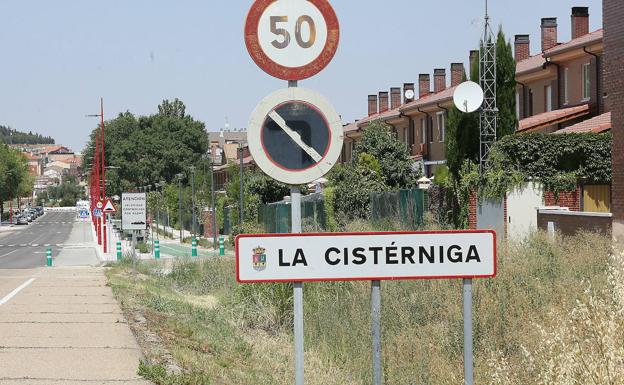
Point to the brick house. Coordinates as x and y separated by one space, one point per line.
558 90
419 123
561 86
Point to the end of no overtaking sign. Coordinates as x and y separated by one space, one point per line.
365 256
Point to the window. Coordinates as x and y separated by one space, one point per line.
586 82
441 126
423 126
518 105
530 102
547 98
566 97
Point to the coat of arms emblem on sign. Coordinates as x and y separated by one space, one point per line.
259 258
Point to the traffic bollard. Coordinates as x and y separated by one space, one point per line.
49 256
194 247
119 255
156 249
221 246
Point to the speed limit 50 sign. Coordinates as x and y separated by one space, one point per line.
292 39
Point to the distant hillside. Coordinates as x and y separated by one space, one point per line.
11 136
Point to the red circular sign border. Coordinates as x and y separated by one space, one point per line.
291 73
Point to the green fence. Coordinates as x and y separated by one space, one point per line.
276 217
404 206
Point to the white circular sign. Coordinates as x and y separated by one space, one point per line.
468 97
292 39
295 135
99 204
292 33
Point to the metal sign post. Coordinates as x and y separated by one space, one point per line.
468 358
295 203
376 330
294 135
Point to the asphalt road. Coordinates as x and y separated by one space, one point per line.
25 247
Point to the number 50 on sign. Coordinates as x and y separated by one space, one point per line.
292 39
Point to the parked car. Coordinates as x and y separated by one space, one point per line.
21 220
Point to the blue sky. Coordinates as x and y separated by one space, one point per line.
59 57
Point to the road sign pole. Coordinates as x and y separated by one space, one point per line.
376 330
295 203
468 358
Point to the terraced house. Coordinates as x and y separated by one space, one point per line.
559 90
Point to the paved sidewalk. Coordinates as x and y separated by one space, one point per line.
64 327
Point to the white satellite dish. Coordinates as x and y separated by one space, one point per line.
468 97
409 94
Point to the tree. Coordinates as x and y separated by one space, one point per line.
149 149
175 109
391 154
505 86
15 180
463 128
352 185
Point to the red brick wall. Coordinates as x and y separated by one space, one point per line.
383 101
571 224
549 33
522 47
472 211
613 11
457 73
424 85
570 199
208 225
439 79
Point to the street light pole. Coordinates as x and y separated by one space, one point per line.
212 203
193 230
180 204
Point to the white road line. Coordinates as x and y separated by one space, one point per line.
3 255
14 292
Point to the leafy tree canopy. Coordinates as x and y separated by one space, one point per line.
391 154
11 136
148 149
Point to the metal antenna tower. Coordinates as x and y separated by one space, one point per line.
488 117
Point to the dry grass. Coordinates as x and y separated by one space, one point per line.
551 316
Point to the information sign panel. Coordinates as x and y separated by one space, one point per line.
365 256
133 211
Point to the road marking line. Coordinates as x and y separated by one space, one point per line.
23 245
35 245
10 245
14 292
3 255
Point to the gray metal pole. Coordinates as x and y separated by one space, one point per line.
193 229
376 330
133 255
295 203
212 199
468 358
240 214
180 207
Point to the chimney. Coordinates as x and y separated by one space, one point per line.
424 85
383 101
522 48
408 87
395 97
474 64
457 74
439 79
372 105
580 21
549 33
